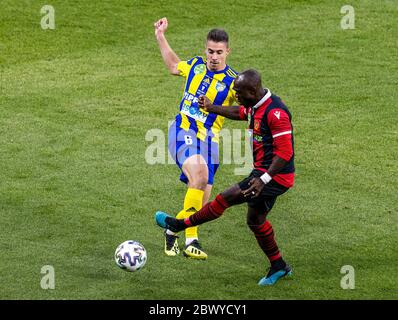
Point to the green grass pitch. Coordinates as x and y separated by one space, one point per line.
76 103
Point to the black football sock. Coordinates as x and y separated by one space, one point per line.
278 264
175 225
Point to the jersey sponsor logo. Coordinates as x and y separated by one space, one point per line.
190 108
257 137
190 97
194 112
220 86
277 114
200 68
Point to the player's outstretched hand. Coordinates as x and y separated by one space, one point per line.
204 103
161 26
256 186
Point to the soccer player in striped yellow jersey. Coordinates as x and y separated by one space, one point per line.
194 135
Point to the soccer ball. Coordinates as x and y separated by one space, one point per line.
130 255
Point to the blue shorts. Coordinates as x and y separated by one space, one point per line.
184 144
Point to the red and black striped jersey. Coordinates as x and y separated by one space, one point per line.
272 134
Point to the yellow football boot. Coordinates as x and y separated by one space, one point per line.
195 251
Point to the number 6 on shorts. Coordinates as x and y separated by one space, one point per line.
188 140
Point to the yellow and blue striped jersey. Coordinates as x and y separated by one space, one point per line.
216 85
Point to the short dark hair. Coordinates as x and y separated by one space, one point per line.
250 79
217 35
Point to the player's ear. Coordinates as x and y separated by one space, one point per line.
228 50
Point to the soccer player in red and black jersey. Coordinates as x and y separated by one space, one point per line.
273 173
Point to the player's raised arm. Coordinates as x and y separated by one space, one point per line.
233 112
170 58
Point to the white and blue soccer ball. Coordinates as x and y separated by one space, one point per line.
130 255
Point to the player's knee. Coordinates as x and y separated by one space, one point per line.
232 194
199 179
253 227
255 219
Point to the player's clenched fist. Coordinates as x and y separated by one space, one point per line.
204 103
160 26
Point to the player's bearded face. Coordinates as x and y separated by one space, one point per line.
216 55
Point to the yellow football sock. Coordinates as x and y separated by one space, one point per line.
192 203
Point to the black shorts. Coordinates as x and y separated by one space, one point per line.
266 199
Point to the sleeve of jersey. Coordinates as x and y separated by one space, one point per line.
281 130
184 67
242 113
232 95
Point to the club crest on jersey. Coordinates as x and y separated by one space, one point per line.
220 86
200 68
256 125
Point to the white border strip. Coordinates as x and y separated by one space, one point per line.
281 133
